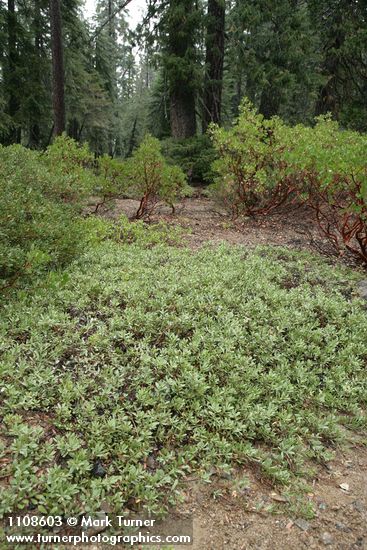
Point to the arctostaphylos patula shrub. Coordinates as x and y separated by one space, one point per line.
330 164
71 165
250 170
41 196
111 180
152 180
262 163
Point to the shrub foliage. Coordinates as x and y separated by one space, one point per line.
40 198
262 163
332 167
251 177
152 179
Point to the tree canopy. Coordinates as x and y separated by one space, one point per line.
187 64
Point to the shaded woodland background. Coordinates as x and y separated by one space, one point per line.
186 64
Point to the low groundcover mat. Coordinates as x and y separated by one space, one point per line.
138 366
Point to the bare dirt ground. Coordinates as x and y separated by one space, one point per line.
258 517
290 226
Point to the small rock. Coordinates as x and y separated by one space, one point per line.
344 487
100 523
225 475
133 504
359 506
302 524
278 498
322 506
105 507
342 527
326 538
98 469
151 462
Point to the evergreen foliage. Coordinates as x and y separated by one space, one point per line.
194 155
195 63
261 163
152 179
39 225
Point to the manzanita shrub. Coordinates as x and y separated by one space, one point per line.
251 176
111 177
331 165
71 165
41 197
152 179
262 163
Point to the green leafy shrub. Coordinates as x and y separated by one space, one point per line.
111 179
152 179
71 166
263 162
251 177
194 156
39 228
331 165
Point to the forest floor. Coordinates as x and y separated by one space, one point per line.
258 518
239 347
290 226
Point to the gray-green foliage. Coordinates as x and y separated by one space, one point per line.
160 362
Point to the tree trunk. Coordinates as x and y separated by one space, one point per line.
34 127
213 82
180 64
74 129
112 138
132 139
328 100
11 80
269 102
58 98
182 113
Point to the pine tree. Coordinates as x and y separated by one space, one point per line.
273 51
11 87
214 60
179 28
58 97
342 27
